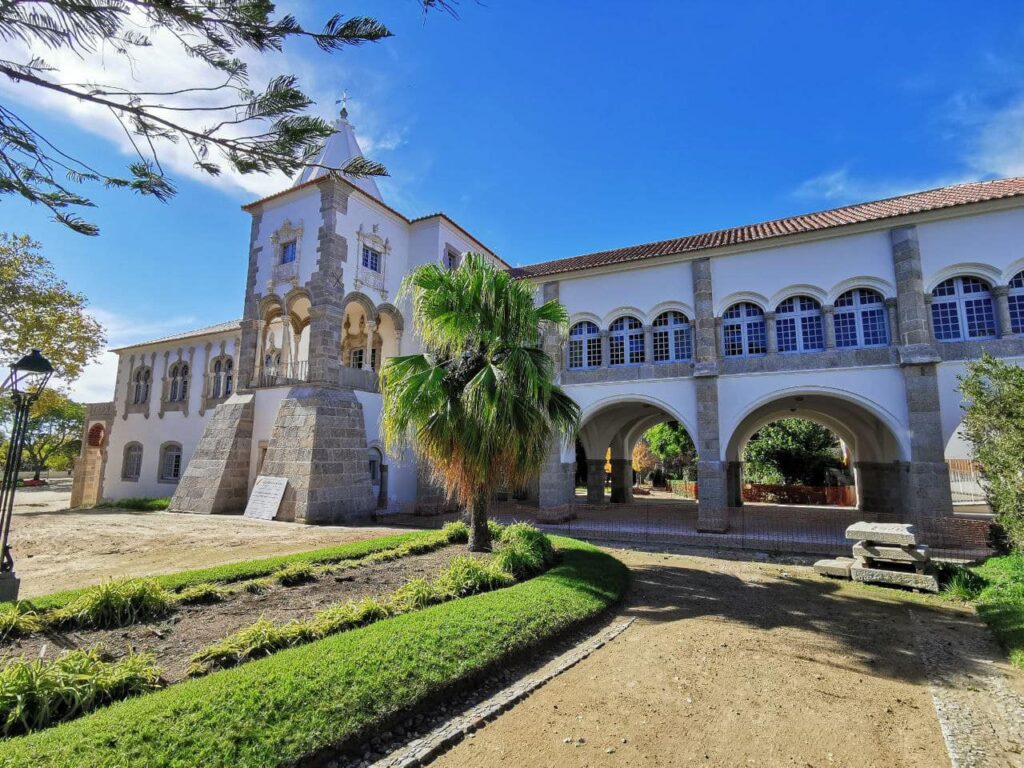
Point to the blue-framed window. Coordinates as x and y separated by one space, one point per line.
798 325
861 319
371 258
626 342
584 346
1016 302
743 331
962 308
288 252
672 340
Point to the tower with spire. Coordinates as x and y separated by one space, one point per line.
340 148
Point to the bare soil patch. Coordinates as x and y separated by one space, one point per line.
58 549
733 663
190 628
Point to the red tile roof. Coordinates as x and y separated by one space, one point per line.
917 202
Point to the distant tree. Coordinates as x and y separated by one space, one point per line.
671 443
791 452
38 310
644 460
223 121
54 429
993 424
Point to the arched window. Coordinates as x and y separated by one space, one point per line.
962 309
672 340
131 465
584 346
218 372
626 343
170 463
861 319
798 325
1016 302
376 459
221 377
179 382
140 386
743 331
229 378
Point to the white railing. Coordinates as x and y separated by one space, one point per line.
965 482
295 372
359 378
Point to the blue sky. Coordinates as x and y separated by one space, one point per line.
550 129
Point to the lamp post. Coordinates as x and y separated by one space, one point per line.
26 382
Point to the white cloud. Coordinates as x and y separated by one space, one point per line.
165 66
96 384
840 186
999 146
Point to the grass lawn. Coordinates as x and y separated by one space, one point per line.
998 597
301 701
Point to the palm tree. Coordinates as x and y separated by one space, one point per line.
480 404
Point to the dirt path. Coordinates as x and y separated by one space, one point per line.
56 549
732 663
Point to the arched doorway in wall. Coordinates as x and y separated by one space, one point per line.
608 437
867 447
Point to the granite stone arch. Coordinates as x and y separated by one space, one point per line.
883 287
986 272
740 297
392 312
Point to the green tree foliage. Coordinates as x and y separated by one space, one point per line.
672 444
791 452
38 310
993 393
481 403
223 121
54 430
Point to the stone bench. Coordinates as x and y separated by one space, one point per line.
883 553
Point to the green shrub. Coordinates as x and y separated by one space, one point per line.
18 619
140 503
257 586
261 638
526 534
519 559
116 603
339 618
497 530
456 532
295 574
202 594
961 583
414 595
284 709
36 694
468 576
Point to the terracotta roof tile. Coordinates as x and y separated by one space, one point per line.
917 202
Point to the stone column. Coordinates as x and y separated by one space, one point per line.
325 289
771 333
648 344
398 343
828 319
1002 296
605 349
894 324
382 494
622 481
926 492
371 328
595 481
555 485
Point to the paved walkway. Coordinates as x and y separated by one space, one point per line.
734 663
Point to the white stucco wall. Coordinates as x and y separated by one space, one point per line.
988 245
641 291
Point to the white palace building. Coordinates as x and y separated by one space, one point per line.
860 318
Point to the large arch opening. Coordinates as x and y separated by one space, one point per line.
608 437
869 446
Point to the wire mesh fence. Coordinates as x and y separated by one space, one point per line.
666 520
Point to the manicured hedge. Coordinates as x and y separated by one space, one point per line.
278 710
252 569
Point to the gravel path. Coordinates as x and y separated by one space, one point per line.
978 695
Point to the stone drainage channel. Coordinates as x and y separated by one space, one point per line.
462 722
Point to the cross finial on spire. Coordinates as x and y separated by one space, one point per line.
344 103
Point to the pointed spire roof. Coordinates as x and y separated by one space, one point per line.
338 150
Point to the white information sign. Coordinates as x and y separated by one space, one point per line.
266 497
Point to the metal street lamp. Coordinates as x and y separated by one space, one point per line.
26 382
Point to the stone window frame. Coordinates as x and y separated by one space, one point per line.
861 311
180 375
740 316
1015 301
805 315
177 383
958 300
668 325
164 448
451 257
222 382
365 276
281 270
125 476
144 371
626 331
588 341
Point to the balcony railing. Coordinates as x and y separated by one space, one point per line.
359 378
286 271
369 278
284 374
